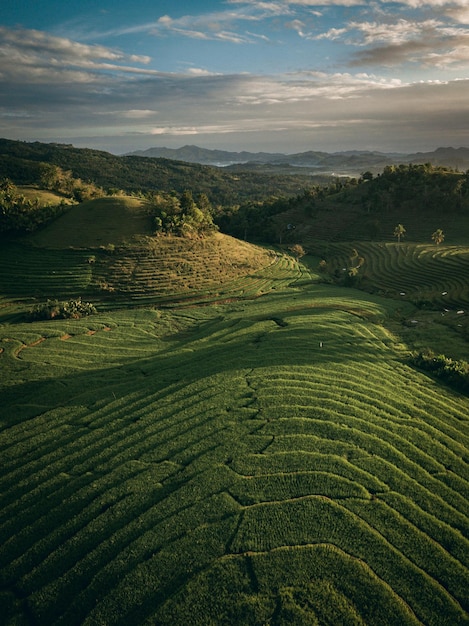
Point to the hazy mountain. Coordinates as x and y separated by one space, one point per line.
347 161
194 154
457 158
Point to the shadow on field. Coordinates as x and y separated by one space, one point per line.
281 339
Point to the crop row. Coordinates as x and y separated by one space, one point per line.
421 272
231 463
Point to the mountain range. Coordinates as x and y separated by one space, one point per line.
348 162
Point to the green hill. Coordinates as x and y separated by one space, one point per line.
104 250
235 436
420 197
271 460
95 223
23 163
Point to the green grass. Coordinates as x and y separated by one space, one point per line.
260 460
32 192
198 454
100 222
425 274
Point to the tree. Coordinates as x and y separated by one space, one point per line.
353 256
297 250
438 236
399 232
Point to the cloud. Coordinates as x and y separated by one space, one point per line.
285 5
390 42
344 110
39 43
218 25
400 32
38 57
418 4
460 15
59 88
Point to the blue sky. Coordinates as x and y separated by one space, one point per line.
236 74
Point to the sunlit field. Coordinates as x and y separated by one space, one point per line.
262 453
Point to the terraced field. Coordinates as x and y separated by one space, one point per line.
258 461
153 271
419 272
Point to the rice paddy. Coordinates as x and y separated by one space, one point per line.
228 458
423 273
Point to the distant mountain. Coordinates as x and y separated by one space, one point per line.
457 158
347 162
194 154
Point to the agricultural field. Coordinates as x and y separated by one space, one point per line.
261 452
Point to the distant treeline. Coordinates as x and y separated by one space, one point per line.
23 163
404 190
251 206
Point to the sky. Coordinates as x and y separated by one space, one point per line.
276 76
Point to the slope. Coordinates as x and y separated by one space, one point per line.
266 461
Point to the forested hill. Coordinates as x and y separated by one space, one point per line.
422 198
23 163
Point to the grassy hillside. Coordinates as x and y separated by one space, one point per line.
269 460
44 197
231 439
95 223
103 250
420 197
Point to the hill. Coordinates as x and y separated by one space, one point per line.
105 250
114 220
421 197
24 163
232 438
270 460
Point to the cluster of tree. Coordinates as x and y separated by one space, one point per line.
53 309
22 162
349 276
453 372
402 186
180 214
255 220
21 214
62 181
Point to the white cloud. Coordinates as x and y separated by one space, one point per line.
139 113
417 4
397 33
332 34
31 55
460 15
218 25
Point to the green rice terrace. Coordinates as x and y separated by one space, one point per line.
234 437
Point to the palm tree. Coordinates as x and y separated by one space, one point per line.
399 232
438 236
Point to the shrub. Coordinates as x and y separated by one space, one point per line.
53 309
453 372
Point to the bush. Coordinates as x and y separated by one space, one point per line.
452 372
53 309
